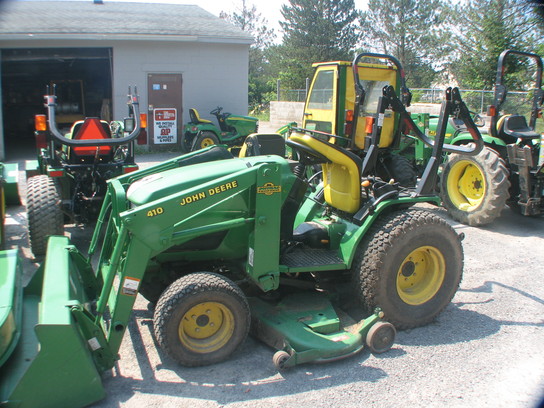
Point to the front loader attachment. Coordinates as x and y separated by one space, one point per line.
9 176
52 364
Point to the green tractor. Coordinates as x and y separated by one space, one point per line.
221 245
475 189
199 133
510 169
68 181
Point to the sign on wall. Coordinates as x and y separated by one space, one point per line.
165 125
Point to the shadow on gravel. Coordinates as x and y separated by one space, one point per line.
487 287
248 375
457 325
509 223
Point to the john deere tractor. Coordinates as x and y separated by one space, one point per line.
68 181
222 245
510 169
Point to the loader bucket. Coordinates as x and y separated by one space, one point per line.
51 365
9 172
10 303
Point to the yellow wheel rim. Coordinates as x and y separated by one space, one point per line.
466 185
207 141
206 327
420 275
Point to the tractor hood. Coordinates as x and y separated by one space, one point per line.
160 185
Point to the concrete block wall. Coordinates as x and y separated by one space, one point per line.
282 113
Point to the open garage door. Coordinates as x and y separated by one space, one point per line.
84 88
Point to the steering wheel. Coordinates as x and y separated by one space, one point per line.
216 111
307 155
477 118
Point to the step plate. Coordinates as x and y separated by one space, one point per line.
311 257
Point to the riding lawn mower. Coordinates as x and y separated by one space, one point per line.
199 133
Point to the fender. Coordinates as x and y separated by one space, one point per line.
355 233
465 137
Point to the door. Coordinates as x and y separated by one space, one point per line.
164 110
320 109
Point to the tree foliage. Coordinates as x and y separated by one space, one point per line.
485 28
248 19
314 30
411 31
429 37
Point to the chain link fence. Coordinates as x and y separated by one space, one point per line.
476 100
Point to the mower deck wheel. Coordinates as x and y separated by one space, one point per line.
280 358
381 337
201 319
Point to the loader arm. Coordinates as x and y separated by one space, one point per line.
137 226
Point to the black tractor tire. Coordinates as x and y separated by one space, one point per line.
410 265
201 319
205 139
186 142
475 189
44 211
398 168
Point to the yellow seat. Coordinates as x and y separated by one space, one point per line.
341 177
195 117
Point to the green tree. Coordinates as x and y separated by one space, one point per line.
488 27
314 30
411 31
248 19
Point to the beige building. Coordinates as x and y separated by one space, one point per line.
179 56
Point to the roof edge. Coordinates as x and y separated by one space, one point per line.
127 37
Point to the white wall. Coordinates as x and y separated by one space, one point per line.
213 75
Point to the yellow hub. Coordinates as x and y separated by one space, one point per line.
420 275
207 141
466 185
206 327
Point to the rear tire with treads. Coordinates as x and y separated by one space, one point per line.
205 139
475 189
410 265
44 210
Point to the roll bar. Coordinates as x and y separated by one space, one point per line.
134 105
452 105
500 87
406 95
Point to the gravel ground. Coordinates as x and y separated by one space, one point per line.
484 350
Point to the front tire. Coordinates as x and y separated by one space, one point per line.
45 217
205 139
474 189
201 319
410 265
